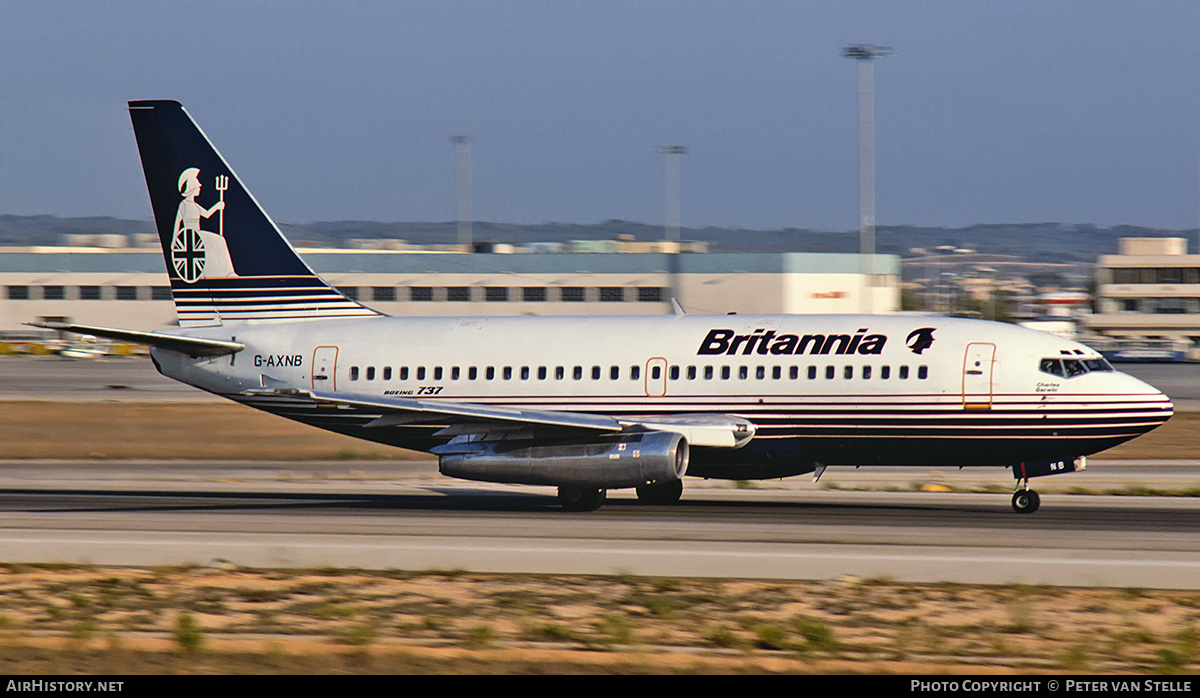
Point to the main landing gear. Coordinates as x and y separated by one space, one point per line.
661 492
590 499
581 498
1025 500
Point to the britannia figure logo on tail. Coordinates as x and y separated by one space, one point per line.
197 253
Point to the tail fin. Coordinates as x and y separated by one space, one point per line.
223 268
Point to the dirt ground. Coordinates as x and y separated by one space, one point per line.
95 620
228 431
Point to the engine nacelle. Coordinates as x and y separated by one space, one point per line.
611 462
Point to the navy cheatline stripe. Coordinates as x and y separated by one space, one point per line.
250 282
260 293
264 302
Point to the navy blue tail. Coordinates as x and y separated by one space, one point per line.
226 258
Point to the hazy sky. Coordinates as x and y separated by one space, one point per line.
1022 111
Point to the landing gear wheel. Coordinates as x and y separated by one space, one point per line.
581 498
1026 501
661 493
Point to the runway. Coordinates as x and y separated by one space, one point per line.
407 518
402 515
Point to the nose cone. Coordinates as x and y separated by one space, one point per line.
1152 406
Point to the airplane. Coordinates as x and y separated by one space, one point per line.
591 404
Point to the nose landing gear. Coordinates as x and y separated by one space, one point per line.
1025 500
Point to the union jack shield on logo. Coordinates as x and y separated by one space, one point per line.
187 255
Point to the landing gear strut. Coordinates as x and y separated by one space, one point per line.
661 492
1025 500
581 498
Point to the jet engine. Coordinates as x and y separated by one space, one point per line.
612 462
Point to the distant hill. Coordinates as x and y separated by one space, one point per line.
1036 242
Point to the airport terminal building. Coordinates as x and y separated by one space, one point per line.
128 287
1150 293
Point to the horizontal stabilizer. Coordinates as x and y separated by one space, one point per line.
193 346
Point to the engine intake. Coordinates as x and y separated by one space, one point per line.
623 460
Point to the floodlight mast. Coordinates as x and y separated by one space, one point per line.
865 54
462 147
672 189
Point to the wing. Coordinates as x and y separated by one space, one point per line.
473 423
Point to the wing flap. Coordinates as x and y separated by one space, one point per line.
468 411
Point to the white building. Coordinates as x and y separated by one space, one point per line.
129 287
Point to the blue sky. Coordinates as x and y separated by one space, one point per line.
1079 112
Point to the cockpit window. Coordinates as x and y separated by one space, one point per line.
1069 368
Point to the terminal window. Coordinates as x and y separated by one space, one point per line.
420 293
18 293
533 294
572 294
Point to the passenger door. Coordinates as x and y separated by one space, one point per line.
977 375
324 369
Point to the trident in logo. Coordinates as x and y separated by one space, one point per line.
222 186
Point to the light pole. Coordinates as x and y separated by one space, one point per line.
462 146
672 204
865 54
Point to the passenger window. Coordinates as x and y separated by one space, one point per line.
595 373
454 373
635 372
904 373
420 373
508 373
524 373
724 373
1051 366
866 373
490 374
370 373
794 372
743 372
708 373
656 373
387 373
812 373
923 372
885 372
691 373
673 372
472 373
577 373
848 372
404 373
354 373
614 372
541 373
559 373
760 372
437 373
829 371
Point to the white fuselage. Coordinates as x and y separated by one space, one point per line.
836 389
